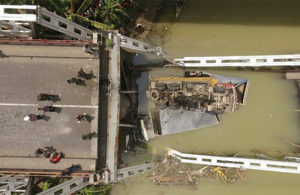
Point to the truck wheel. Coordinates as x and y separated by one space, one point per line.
161 104
160 86
205 103
154 94
174 86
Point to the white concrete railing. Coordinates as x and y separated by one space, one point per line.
240 61
17 17
234 162
60 24
135 45
67 187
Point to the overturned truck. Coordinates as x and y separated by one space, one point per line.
191 102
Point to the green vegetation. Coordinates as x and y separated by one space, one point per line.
87 23
84 6
46 186
94 14
97 189
108 43
112 14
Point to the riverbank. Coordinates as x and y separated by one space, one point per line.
145 21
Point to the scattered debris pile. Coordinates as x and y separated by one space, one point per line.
171 171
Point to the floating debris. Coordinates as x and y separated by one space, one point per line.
171 171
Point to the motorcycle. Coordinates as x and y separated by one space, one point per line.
76 81
82 74
48 97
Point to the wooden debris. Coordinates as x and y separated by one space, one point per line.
289 142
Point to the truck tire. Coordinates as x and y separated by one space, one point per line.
174 105
174 86
160 86
190 86
219 89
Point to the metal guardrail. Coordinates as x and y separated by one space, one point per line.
234 162
13 29
10 184
240 61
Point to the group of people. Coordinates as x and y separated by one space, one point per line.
51 153
35 117
81 75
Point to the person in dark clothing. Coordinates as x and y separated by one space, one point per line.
88 49
49 97
71 169
82 74
46 151
47 108
89 135
76 81
33 117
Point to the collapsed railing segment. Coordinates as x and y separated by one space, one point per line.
240 61
234 162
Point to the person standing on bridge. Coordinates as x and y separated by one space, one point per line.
47 108
33 117
88 49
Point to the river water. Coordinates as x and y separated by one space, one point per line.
212 28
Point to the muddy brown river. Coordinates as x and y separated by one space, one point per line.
212 28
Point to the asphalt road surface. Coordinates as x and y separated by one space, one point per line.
27 71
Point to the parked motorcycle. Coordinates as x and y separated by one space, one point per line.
87 76
48 97
76 81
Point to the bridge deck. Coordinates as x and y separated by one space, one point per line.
27 71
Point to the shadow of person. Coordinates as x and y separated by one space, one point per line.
2 55
46 118
89 118
96 53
